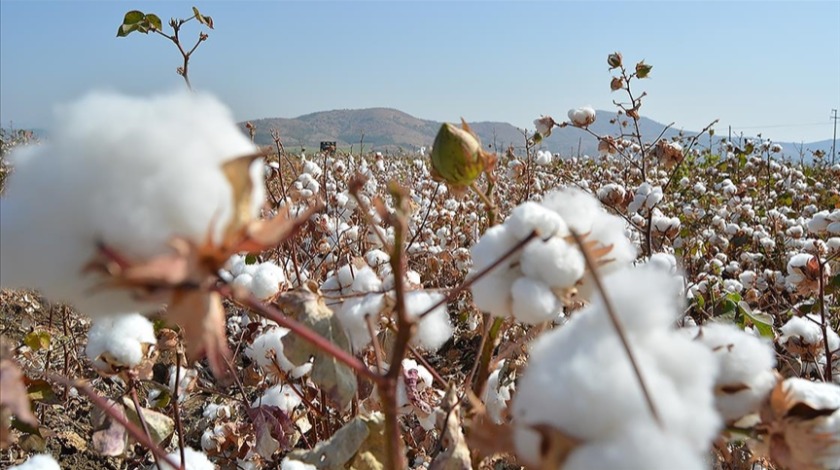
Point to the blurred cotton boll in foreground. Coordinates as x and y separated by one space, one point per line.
125 172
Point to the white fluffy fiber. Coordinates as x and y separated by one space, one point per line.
820 396
193 460
125 171
808 330
38 462
584 363
267 352
286 397
434 329
530 284
745 360
264 280
119 340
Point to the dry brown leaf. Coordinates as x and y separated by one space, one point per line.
202 317
238 174
13 396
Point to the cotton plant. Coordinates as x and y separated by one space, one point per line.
154 194
533 284
193 460
803 336
267 352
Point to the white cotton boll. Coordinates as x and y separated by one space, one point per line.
534 302
345 277
286 397
267 280
267 352
495 242
434 328
288 464
243 281
807 330
817 396
731 285
38 462
216 411
353 318
642 446
127 172
663 261
531 216
748 279
543 157
492 293
235 264
577 208
193 460
496 396
582 117
377 258
554 262
746 372
366 281
120 341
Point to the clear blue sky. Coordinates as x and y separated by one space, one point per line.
758 66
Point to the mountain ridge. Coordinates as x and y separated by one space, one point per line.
393 131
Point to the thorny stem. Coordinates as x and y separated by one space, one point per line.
590 265
107 408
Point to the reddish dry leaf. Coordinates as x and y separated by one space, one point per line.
13 397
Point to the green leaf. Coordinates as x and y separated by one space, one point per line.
133 17
37 340
701 302
250 258
125 30
762 322
154 22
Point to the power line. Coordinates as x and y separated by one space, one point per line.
769 126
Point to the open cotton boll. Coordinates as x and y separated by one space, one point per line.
266 280
119 341
130 173
267 352
496 395
38 462
193 460
642 447
554 262
366 280
286 397
492 293
533 301
288 464
353 318
598 406
531 216
434 329
803 335
495 242
746 373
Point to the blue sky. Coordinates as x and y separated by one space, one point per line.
771 67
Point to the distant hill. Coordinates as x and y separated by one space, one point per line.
391 130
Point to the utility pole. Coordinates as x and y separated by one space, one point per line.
834 142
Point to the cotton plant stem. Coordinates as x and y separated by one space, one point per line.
590 265
487 353
824 326
142 419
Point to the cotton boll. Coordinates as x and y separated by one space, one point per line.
805 333
288 464
126 172
533 301
120 341
366 281
286 397
38 462
746 368
267 280
496 395
434 328
492 293
267 352
641 447
495 242
193 460
531 216
353 318
554 262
